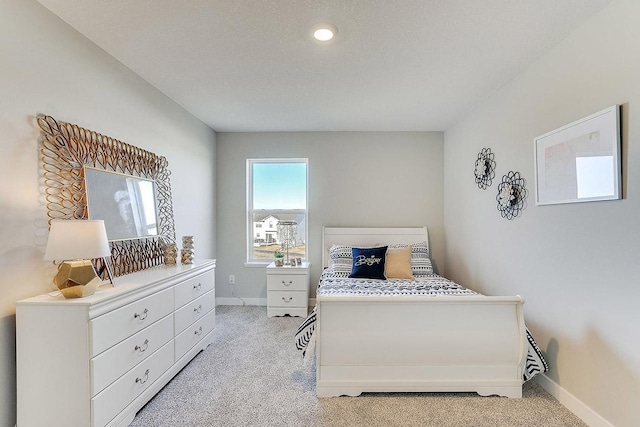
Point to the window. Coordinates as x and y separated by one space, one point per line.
276 208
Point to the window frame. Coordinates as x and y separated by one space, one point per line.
250 211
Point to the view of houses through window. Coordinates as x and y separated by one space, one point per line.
277 208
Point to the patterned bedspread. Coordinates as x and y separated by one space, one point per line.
341 284
335 284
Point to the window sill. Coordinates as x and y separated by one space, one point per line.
257 264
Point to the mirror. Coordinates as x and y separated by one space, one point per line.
69 153
126 203
580 162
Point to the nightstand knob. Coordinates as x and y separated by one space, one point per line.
197 287
198 309
199 331
287 300
287 284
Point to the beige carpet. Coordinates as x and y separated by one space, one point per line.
253 376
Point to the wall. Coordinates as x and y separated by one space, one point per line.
355 179
576 265
48 68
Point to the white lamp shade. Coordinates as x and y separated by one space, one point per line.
77 239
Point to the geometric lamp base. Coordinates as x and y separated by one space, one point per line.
80 291
77 279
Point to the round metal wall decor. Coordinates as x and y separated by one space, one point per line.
511 195
485 168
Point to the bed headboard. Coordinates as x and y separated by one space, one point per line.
368 237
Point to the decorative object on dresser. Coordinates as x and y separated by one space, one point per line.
511 195
170 253
485 168
188 250
98 360
69 153
580 162
76 242
288 290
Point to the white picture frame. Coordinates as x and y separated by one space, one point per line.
580 162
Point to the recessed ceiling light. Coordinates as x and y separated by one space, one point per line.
324 32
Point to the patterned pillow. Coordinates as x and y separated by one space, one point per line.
340 259
420 261
368 263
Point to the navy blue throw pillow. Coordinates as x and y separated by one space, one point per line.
368 263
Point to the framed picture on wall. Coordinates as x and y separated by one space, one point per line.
580 162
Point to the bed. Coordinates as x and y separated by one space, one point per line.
425 334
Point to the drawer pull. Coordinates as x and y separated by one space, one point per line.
287 284
197 287
141 316
199 331
146 377
287 300
198 309
142 348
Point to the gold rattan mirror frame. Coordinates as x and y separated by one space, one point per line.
66 148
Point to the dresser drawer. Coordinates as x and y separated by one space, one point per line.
287 299
112 363
194 310
112 400
194 333
113 327
193 288
290 282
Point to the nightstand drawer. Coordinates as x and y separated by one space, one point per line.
287 282
111 364
194 333
287 299
120 324
193 288
194 310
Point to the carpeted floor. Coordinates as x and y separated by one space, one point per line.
252 375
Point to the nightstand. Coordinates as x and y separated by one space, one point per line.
287 290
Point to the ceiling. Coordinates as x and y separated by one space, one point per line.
252 65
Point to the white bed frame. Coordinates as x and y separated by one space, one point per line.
416 344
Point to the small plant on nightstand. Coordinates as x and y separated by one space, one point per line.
279 258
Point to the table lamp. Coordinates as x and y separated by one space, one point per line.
286 233
76 243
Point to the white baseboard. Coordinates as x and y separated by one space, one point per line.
243 301
251 301
572 403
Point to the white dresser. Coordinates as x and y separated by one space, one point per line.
95 361
287 290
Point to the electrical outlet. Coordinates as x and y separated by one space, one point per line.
232 279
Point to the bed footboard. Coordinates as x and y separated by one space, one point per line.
420 344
